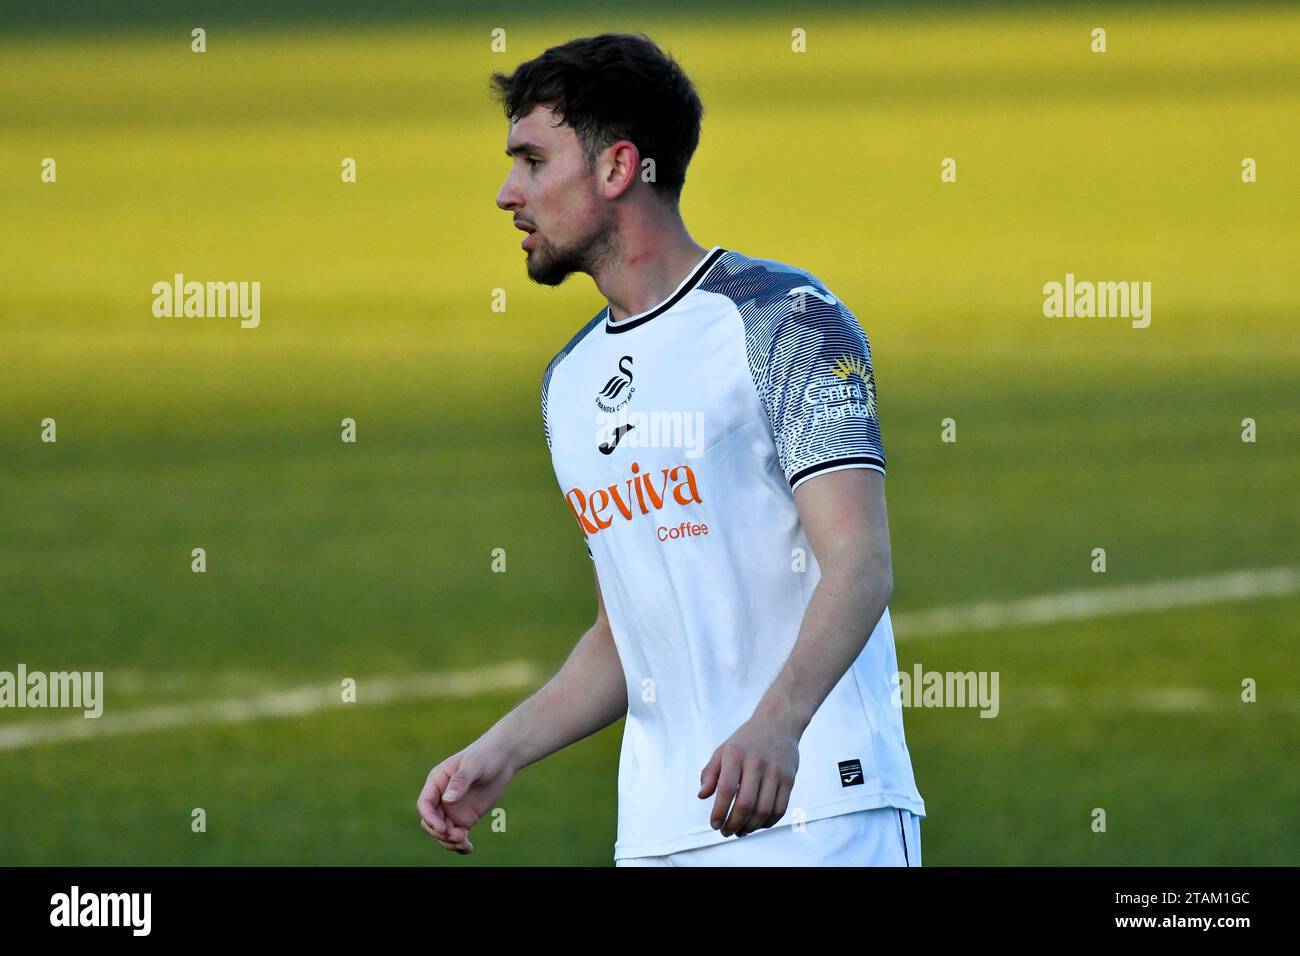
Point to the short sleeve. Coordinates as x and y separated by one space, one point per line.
819 391
546 429
546 425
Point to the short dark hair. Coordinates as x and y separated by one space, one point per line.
610 87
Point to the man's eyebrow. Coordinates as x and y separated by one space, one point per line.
525 148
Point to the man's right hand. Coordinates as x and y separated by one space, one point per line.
460 790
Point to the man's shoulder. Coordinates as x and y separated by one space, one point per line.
569 346
776 299
761 285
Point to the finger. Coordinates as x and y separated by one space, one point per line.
430 813
461 781
782 800
456 834
427 804
709 775
746 797
728 781
442 836
432 821
763 807
460 842
442 841
455 846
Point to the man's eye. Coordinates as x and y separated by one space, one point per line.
534 163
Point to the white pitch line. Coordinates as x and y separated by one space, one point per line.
1099 602
1046 609
1156 700
287 703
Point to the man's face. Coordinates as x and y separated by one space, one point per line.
551 191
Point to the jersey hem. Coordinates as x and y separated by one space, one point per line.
709 837
835 464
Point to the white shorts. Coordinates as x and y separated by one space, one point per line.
885 836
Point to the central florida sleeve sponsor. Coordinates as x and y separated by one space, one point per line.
820 392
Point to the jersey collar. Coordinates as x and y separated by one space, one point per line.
689 283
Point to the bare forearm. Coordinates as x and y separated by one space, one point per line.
587 694
844 609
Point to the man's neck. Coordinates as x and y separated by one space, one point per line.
646 270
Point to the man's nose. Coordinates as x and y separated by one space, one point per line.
508 198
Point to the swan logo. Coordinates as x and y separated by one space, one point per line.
617 392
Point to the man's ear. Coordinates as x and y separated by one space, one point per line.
623 163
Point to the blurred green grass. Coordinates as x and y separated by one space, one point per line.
1178 788
328 559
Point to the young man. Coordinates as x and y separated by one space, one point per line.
714 432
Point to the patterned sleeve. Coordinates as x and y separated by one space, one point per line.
546 426
820 392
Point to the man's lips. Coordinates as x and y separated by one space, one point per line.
528 228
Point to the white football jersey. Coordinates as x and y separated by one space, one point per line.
678 437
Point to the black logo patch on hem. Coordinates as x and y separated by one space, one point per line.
850 773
